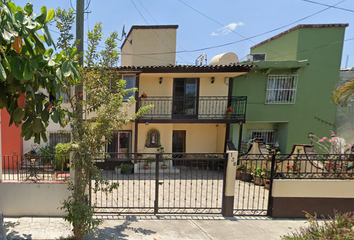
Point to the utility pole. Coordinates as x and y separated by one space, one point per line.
80 8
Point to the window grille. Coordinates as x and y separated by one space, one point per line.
281 89
268 136
59 137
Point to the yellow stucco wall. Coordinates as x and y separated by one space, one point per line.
149 84
218 88
127 57
221 131
200 138
165 137
147 41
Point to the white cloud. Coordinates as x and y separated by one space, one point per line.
227 29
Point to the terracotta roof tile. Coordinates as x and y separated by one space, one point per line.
187 68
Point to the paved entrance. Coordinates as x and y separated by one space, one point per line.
196 188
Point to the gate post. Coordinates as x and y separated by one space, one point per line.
156 202
229 185
270 197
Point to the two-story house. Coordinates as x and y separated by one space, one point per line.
193 105
290 86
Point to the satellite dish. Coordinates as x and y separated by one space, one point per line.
124 34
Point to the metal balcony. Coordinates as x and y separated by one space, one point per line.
205 108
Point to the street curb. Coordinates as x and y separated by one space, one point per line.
2 230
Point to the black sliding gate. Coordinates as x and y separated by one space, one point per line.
174 183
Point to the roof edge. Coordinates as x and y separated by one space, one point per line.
175 26
186 68
299 27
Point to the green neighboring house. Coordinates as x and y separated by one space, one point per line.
289 88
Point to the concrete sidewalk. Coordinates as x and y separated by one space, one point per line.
157 228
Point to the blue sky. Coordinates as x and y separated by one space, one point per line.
204 25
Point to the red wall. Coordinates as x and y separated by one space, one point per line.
11 142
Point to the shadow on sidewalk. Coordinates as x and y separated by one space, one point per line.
11 233
107 217
117 232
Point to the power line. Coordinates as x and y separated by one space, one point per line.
168 35
148 12
219 23
139 12
209 18
254 36
154 30
283 55
270 31
322 4
234 42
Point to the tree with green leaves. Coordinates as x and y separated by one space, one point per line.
31 71
106 113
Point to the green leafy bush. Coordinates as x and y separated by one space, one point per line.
62 153
46 153
127 167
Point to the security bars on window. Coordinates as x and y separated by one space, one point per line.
268 136
59 137
281 89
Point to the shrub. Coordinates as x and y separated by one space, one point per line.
62 152
46 153
340 227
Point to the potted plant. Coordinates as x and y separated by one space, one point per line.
161 150
127 168
259 173
229 111
147 164
239 170
246 170
31 155
46 155
164 165
62 153
118 169
214 162
143 96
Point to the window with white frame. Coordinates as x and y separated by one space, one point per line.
130 83
59 137
281 89
268 136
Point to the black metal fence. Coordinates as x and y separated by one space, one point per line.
253 183
255 174
22 168
314 166
299 166
203 107
167 183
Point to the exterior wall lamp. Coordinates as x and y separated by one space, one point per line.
161 79
212 80
146 123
